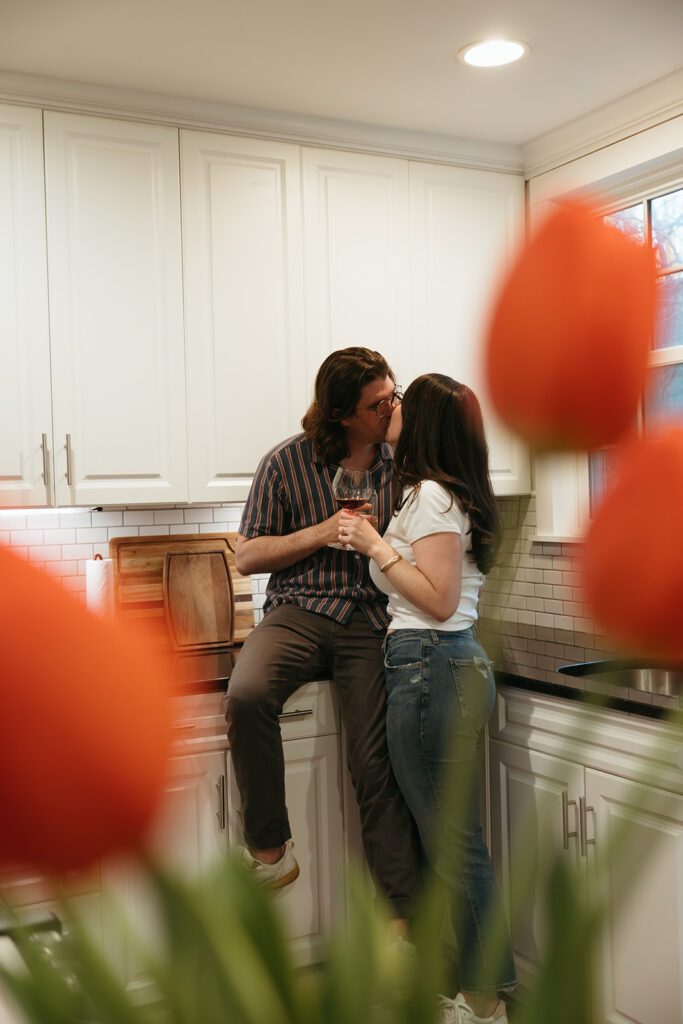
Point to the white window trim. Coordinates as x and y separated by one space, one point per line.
561 480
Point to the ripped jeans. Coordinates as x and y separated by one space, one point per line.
440 695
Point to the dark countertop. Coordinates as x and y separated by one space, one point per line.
599 693
210 671
204 672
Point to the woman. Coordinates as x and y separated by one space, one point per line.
431 563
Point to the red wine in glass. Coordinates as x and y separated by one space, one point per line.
352 488
351 504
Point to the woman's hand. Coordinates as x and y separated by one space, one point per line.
358 531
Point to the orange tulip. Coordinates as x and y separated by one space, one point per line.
84 727
567 347
632 561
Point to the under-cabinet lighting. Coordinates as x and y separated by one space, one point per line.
45 511
491 53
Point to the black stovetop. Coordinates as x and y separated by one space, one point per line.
197 671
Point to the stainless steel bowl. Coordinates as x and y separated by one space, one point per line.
651 680
632 676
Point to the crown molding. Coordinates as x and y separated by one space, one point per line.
183 112
636 112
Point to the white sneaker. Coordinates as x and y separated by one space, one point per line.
273 876
459 1011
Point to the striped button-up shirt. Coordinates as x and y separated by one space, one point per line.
292 489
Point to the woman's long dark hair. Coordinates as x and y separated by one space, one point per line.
443 439
338 384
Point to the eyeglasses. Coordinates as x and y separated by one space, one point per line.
385 408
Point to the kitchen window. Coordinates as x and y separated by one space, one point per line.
656 220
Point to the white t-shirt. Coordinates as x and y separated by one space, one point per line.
423 514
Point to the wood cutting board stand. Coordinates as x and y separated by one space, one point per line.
185 588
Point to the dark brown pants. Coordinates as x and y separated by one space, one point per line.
291 647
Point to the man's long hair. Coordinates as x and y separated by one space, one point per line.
338 385
443 439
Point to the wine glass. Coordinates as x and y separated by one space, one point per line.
352 488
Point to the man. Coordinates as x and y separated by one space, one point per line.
323 618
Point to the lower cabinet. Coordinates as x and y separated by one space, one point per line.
189 836
200 823
315 901
609 800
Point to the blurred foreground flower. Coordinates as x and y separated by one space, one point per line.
632 561
84 727
567 348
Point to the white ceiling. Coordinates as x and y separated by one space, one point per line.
382 62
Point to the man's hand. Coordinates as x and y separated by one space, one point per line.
358 530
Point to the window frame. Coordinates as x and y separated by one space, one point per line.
561 481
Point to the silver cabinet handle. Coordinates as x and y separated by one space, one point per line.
69 457
46 461
296 714
220 813
583 811
566 834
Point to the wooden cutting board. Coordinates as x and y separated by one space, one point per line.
198 598
185 588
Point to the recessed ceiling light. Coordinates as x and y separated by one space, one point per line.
492 53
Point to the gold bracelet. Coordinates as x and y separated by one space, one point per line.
392 561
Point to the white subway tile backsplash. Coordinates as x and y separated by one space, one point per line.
45 553
168 515
138 517
198 515
77 551
91 535
11 522
212 527
49 521
61 568
74 520
26 537
184 528
123 531
60 536
107 518
552 576
155 529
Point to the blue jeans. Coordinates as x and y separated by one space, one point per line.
440 695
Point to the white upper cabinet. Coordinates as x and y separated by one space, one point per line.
357 244
243 306
116 314
25 413
171 360
465 226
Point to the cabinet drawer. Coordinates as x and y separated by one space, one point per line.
200 718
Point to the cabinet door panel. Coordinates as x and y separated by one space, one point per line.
243 306
315 900
25 409
190 834
113 224
465 225
527 835
642 940
356 217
